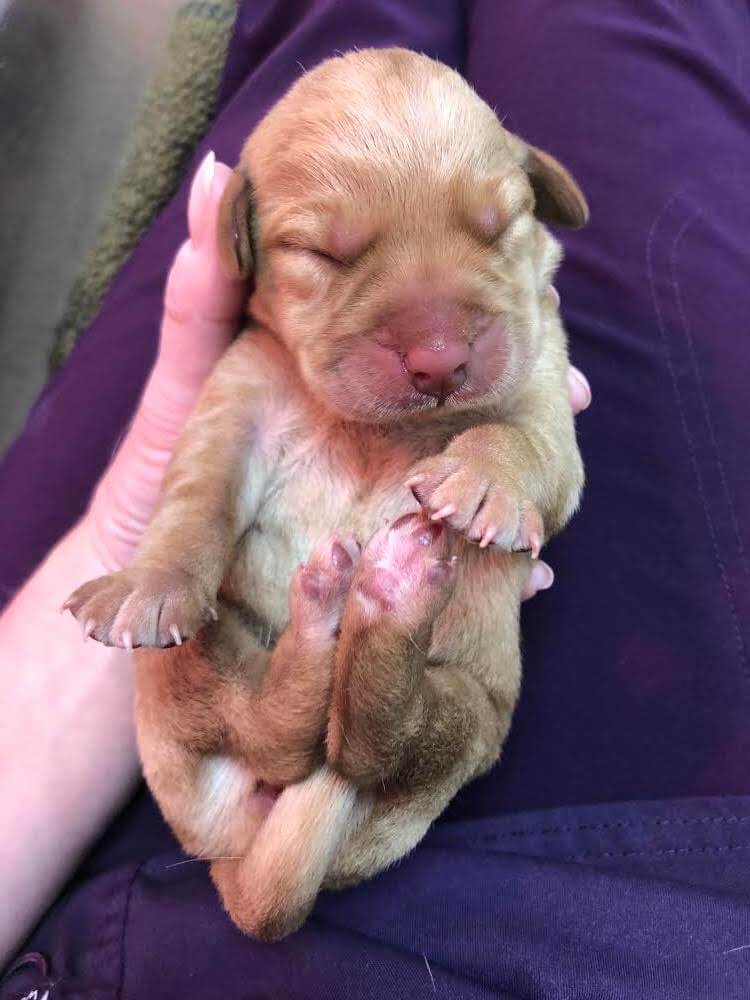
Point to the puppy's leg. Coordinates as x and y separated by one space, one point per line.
206 796
270 891
514 483
210 494
390 830
278 722
221 721
396 718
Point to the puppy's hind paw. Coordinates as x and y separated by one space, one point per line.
405 572
320 586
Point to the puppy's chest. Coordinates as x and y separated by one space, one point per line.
322 483
344 477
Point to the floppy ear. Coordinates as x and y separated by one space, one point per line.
235 227
559 200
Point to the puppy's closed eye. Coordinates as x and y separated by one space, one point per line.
335 234
301 248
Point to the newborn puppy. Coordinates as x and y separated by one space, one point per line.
403 386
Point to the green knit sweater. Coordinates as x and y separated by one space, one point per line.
176 112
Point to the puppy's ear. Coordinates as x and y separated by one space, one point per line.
235 227
559 200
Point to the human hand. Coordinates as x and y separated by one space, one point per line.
202 308
542 576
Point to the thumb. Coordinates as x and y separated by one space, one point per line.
540 577
201 309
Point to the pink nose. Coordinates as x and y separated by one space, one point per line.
437 372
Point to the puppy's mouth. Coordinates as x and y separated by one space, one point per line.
374 380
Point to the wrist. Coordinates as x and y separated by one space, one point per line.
61 787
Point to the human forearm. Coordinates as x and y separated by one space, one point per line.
67 740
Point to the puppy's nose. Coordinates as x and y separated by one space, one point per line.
437 372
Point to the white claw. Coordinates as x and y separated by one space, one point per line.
127 640
488 536
447 511
175 633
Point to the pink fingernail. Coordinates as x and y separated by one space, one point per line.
200 193
206 171
583 382
543 576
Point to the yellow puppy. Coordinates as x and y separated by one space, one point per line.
402 387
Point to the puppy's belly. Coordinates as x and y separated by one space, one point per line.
261 573
292 522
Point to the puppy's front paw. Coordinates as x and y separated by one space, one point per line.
404 573
319 588
142 607
482 508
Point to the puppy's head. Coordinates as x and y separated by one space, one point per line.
393 232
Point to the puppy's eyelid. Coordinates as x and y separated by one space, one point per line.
305 246
298 247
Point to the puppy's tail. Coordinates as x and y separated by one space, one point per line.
270 892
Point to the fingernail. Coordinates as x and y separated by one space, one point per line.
206 171
583 382
543 576
553 294
200 194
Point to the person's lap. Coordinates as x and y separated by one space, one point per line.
637 674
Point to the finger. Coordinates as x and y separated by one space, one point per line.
541 577
201 304
579 390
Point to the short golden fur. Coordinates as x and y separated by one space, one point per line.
351 663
